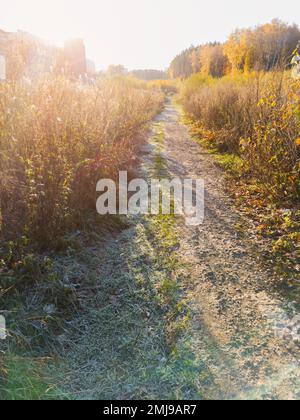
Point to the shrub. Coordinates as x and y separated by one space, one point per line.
272 152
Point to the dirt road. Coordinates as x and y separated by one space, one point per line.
243 328
243 339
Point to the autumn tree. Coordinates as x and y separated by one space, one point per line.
262 48
213 60
195 58
181 66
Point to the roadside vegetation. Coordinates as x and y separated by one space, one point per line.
248 116
57 139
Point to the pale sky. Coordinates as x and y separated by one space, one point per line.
140 33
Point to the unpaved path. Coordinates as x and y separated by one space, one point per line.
242 327
243 339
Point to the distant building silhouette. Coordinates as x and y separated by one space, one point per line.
40 58
5 40
75 57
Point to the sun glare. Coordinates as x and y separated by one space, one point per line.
136 33
53 20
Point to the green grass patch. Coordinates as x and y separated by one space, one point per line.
24 379
229 162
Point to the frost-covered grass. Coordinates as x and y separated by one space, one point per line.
133 340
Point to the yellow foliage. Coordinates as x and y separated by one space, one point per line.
255 116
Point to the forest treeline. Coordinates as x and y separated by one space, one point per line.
150 75
261 49
142 74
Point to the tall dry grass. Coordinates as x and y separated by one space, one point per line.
57 138
257 117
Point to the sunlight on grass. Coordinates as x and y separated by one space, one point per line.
24 379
